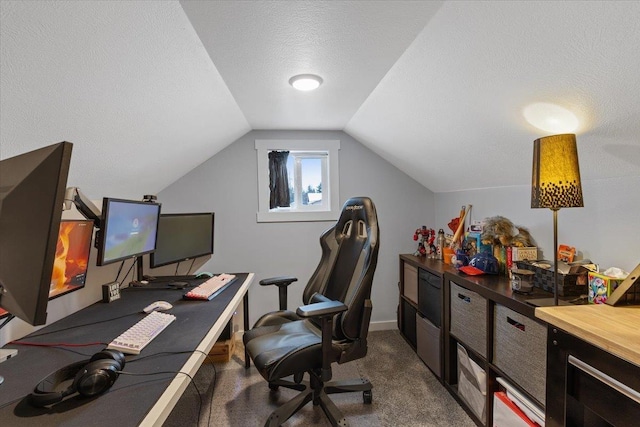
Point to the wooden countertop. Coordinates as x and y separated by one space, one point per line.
613 329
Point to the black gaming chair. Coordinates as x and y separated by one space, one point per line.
333 324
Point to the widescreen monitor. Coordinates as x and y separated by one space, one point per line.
129 229
72 257
32 187
182 237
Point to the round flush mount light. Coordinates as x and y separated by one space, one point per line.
305 82
551 118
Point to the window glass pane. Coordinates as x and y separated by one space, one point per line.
311 178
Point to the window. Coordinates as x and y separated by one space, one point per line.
306 189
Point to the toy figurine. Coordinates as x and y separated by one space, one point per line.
425 237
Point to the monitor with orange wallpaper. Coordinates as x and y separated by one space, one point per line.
72 257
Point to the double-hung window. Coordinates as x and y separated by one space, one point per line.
297 180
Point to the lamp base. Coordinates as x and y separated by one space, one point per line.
546 302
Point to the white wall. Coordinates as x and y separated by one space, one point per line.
605 230
226 184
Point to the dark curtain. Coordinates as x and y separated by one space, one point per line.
278 179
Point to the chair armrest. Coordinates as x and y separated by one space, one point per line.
321 309
278 281
325 311
281 282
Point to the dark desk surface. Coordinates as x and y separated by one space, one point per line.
132 400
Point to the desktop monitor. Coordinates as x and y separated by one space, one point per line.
32 187
129 229
182 237
72 257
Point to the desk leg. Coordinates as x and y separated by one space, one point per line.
245 310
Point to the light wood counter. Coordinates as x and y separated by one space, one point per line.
613 329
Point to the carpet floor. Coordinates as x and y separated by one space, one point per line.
405 393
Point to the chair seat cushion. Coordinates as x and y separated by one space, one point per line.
277 318
282 350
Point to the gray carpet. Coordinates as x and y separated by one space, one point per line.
405 393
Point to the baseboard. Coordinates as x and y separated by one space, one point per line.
385 325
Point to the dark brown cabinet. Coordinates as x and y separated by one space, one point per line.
478 319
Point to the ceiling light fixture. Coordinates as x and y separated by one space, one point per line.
551 118
305 82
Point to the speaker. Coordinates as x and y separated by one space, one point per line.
90 377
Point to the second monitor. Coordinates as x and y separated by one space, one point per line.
182 237
129 229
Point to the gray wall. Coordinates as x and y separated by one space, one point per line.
604 230
226 184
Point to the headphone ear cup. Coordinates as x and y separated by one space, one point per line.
116 355
97 377
44 392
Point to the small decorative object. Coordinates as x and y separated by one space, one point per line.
566 253
441 243
425 237
110 292
499 230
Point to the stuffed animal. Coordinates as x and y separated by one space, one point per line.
499 230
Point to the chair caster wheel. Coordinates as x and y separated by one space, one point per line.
273 387
367 397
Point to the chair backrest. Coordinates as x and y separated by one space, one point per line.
349 258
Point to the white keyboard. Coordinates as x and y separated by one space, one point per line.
134 339
212 287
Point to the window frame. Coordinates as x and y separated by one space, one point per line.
332 184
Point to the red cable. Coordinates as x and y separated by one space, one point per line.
61 344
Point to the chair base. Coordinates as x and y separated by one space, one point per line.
317 392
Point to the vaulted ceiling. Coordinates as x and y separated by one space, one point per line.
147 90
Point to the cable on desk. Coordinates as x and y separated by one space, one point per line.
83 325
143 374
213 383
57 344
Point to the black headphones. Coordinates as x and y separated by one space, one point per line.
90 377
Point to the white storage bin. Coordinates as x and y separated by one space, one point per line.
472 384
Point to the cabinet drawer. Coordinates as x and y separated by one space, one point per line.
430 296
408 327
520 350
469 318
411 283
428 344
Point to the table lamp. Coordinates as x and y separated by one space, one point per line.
555 183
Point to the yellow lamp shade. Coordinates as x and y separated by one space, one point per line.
555 182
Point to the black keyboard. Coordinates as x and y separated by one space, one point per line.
171 278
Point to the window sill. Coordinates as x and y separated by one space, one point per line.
296 216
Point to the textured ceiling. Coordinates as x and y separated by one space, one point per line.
148 90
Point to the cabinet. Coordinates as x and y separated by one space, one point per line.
586 385
420 308
480 320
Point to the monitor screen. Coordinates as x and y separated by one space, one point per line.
32 187
72 257
182 237
129 229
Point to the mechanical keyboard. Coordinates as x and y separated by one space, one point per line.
134 339
211 288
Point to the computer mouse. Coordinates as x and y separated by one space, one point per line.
204 274
178 285
157 306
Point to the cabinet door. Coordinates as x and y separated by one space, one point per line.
410 288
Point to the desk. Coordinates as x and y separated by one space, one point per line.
132 400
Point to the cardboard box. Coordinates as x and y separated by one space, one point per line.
474 242
601 287
521 254
221 351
